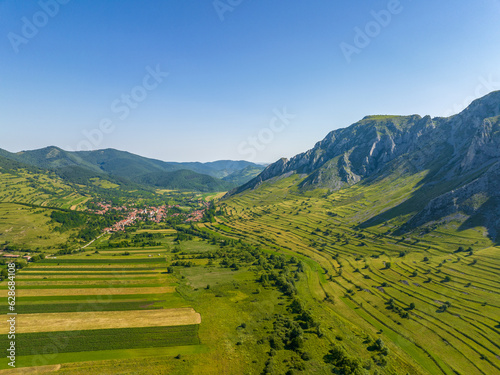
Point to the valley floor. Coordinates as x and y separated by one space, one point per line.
277 283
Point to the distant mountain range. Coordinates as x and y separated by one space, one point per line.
125 167
458 157
435 169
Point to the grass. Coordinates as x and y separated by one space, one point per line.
89 291
96 299
109 261
78 274
105 339
325 229
81 284
28 228
96 269
106 361
89 277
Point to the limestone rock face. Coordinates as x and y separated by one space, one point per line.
466 148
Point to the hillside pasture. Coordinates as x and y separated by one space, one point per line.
435 304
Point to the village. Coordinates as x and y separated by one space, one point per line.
134 215
154 214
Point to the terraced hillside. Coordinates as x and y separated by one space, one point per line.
376 252
431 295
39 189
27 199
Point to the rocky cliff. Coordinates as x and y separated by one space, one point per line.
462 150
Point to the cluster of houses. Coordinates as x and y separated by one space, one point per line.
129 220
105 207
155 214
196 215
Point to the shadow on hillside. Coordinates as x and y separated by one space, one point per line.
487 217
413 205
427 188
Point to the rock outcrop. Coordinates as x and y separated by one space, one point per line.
462 150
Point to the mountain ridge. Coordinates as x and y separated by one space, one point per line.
138 169
457 151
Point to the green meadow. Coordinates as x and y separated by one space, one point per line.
284 282
432 296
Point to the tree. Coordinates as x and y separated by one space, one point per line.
379 344
296 343
343 363
276 342
4 274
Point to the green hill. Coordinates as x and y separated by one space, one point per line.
244 175
184 180
123 167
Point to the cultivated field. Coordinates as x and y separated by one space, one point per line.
95 304
279 283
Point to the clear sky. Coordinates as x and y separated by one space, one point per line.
250 79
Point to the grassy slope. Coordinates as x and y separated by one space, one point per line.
184 180
324 228
39 189
28 197
316 228
28 228
226 346
243 176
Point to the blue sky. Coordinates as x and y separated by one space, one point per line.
250 79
